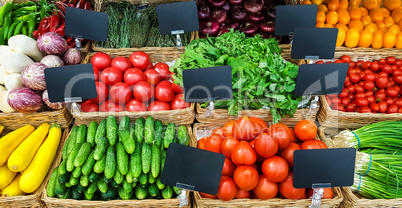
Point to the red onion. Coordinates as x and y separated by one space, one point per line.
256 17
52 43
204 12
234 25
33 76
209 28
25 100
58 105
268 27
238 13
226 6
249 28
217 3
52 61
219 15
253 6
235 2
223 31
72 56
263 35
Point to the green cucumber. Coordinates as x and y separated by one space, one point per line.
68 184
64 152
110 194
139 129
129 177
143 179
114 184
71 157
73 139
135 161
88 196
63 178
74 181
65 195
128 187
159 184
167 192
77 172
92 188
75 194
89 164
146 156
169 135
134 184
100 148
141 193
91 132
155 161
59 188
158 133
149 130
84 181
82 155
163 158
125 195
122 159
164 127
102 186
183 136
110 166
81 134
153 190
80 188
101 130
177 190
111 130
107 180
62 167
151 179
93 177
99 166
52 183
118 177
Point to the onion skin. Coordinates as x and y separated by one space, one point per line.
256 17
209 28
235 2
51 61
25 100
72 56
219 15
238 14
226 6
52 44
55 106
267 27
234 25
33 76
223 31
204 12
249 28
217 3
253 6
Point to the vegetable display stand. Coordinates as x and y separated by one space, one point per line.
342 120
366 53
146 203
202 129
33 200
356 200
13 121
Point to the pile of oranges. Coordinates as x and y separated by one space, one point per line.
362 23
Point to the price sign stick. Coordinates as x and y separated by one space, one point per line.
318 193
179 43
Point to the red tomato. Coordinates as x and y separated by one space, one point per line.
398 62
313 144
101 61
227 189
121 63
275 169
380 95
265 188
346 59
218 131
328 101
244 129
354 78
228 145
133 76
336 101
361 102
365 109
391 60
368 85
366 65
338 62
96 73
344 94
392 109
383 61
392 92
205 195
143 91
213 143
387 69
360 88
227 128
383 106
371 99
179 103
201 143
319 62
345 101
360 95
328 193
287 154
352 64
120 93
111 76
292 135
140 60
88 106
375 67
381 82
163 70
243 154
152 76
134 105
159 106
374 107
246 177
164 93
110 106
350 108
177 89
228 168
265 145
242 194
369 93
287 189
351 89
150 65
102 92
338 107
305 130
281 135
398 102
389 101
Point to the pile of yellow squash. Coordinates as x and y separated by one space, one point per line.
26 155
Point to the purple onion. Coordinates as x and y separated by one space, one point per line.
253 6
25 100
234 25
267 27
209 28
226 6
52 43
55 106
238 13
51 61
249 28
263 35
217 3
72 56
219 15
235 2
204 12
256 17
223 31
33 76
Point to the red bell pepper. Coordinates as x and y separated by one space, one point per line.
60 30
54 21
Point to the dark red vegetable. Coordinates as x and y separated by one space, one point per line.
209 28
217 3
60 30
235 2
223 31
268 27
54 21
253 6
62 6
256 17
219 15
231 24
249 27
204 12
238 13
226 6
263 35
87 6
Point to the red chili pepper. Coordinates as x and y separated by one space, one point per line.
80 4
35 34
60 30
70 42
54 21
61 16
87 6
43 26
62 6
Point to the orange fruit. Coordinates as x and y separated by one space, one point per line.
398 43
307 2
341 26
318 2
355 13
329 25
389 40
366 38
389 21
372 27
371 4
320 16
356 24
354 2
382 26
320 24
378 39
392 4
400 24
333 5
343 4
332 17
397 15
343 16
376 15
366 19
352 38
364 11
385 12
341 37
395 29
323 8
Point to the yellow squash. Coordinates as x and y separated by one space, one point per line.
6 176
23 155
11 141
1 128
13 189
34 174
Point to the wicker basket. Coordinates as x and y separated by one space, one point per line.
33 200
203 129
147 203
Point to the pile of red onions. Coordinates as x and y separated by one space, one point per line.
249 16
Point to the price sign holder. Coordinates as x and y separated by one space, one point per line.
71 84
192 169
86 24
208 85
177 18
314 43
323 168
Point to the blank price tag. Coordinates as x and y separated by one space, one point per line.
86 24
70 83
193 169
291 16
180 16
315 166
320 79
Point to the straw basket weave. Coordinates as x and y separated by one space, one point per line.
33 200
147 203
367 53
202 129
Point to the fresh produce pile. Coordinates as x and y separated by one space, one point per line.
141 21
370 87
362 26
378 168
259 159
24 80
134 82
260 76
26 155
110 161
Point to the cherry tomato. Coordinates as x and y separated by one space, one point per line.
352 64
120 93
134 105
359 63
389 101
305 130
351 89
391 60
350 108
366 65
227 189
369 85
371 99
345 101
121 63
387 69
369 93
102 92
228 168
360 88
159 106
111 76
381 82
369 77
228 145
354 78
392 92
361 102
243 154
163 70
365 109
336 101
88 106
374 107
246 177
110 106
140 60
398 102
379 95
265 145
392 109
361 83
313 144
179 103
242 194
287 154
344 94
346 59
133 76
143 91
383 106
287 189
375 67
265 188
360 95
101 61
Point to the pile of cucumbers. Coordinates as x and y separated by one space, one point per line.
116 161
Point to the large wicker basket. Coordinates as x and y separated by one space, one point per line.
147 203
33 200
203 129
